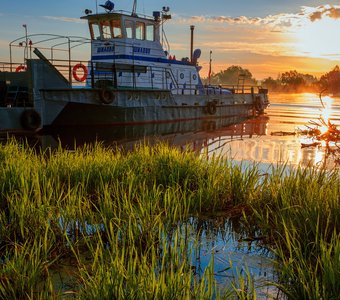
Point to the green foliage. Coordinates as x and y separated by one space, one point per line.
300 214
331 81
116 222
231 76
291 81
110 218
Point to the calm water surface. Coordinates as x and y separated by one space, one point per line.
269 139
272 138
281 136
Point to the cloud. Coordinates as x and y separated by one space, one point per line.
280 20
268 48
65 19
319 12
283 20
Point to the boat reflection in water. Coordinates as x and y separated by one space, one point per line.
196 135
290 115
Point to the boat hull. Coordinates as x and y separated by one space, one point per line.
55 103
83 108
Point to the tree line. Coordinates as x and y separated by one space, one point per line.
290 81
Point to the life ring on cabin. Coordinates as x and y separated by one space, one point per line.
211 107
75 74
20 68
106 96
30 119
258 104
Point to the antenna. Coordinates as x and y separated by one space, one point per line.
134 8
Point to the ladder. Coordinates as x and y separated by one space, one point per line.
240 82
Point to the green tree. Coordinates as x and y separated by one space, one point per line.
232 75
272 84
331 81
293 81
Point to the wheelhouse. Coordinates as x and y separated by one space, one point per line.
128 51
120 26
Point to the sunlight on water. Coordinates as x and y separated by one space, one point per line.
281 136
326 113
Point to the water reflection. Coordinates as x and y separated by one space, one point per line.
196 135
275 137
288 117
221 241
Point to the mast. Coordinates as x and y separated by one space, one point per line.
134 8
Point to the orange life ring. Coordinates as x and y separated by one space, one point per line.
75 75
20 68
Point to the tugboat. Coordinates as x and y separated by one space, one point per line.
130 79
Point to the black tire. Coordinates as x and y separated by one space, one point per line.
211 108
258 105
106 96
30 119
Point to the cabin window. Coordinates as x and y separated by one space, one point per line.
106 29
140 30
150 32
116 28
129 29
94 30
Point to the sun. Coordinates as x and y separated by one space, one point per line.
318 39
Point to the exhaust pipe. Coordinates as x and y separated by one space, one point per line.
192 27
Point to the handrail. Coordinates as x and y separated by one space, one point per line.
42 57
47 38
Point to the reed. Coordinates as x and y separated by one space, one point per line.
300 218
97 223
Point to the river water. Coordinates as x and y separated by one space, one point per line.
282 132
273 138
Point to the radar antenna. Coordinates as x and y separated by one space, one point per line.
109 6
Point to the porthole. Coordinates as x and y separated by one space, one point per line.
167 74
194 77
181 75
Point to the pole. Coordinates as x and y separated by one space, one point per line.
134 8
69 60
209 74
192 27
26 43
10 56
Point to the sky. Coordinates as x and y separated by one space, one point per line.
267 37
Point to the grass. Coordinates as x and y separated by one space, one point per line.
97 223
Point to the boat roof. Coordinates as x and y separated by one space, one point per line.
115 15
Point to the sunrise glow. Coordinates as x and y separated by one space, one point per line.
317 39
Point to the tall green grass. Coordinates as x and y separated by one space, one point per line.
97 223
300 216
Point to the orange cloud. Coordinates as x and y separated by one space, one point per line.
283 20
321 11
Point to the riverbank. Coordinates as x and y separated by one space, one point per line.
95 223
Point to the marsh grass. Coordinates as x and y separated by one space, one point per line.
117 220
